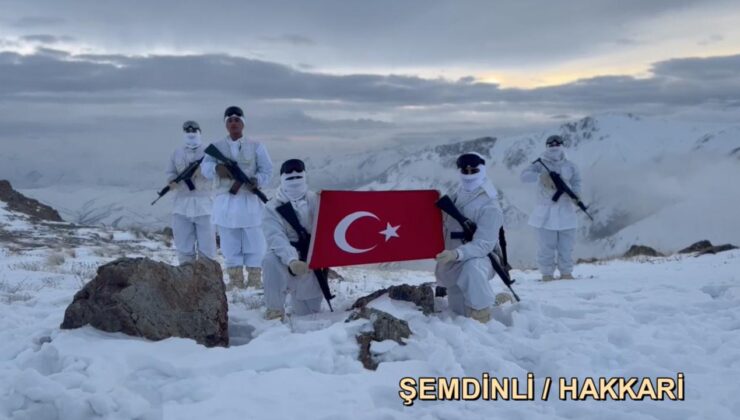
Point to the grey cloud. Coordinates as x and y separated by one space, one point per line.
687 81
627 41
9 43
408 33
47 39
712 39
37 21
706 70
292 39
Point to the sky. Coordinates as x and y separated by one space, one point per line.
108 84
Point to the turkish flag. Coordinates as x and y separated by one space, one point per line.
363 227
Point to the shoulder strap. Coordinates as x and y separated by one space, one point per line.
287 211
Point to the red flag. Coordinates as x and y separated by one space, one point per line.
363 227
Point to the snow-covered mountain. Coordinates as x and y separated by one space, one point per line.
660 181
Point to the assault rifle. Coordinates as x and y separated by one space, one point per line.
185 176
562 187
469 227
304 240
240 178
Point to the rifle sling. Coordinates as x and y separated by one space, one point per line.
288 214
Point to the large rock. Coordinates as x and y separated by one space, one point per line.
384 327
636 250
18 202
154 300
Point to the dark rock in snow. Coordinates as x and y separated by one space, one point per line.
384 327
636 250
716 249
422 296
697 247
154 300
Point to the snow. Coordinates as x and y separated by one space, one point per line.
641 317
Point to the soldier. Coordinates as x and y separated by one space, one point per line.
465 268
191 210
238 215
555 221
284 271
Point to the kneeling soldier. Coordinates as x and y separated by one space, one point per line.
464 267
284 268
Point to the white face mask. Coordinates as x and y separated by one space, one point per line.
192 140
470 182
554 153
296 188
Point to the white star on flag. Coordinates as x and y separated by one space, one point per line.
390 231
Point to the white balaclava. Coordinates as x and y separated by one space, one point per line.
555 153
294 188
192 140
471 182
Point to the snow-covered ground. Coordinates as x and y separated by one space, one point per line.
642 318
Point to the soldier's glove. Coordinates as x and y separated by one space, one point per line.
546 181
297 268
223 171
172 185
253 180
446 256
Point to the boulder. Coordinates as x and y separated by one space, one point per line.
154 300
384 327
18 202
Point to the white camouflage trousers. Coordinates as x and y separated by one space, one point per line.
552 242
193 235
468 284
242 246
305 292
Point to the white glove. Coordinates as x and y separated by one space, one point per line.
546 181
298 267
446 256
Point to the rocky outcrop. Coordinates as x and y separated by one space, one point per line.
696 247
154 300
19 203
705 247
637 250
422 296
384 327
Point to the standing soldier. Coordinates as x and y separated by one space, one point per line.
285 271
554 219
464 268
191 212
238 213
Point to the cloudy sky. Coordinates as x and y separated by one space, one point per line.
109 83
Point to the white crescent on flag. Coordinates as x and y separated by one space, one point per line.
340 232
